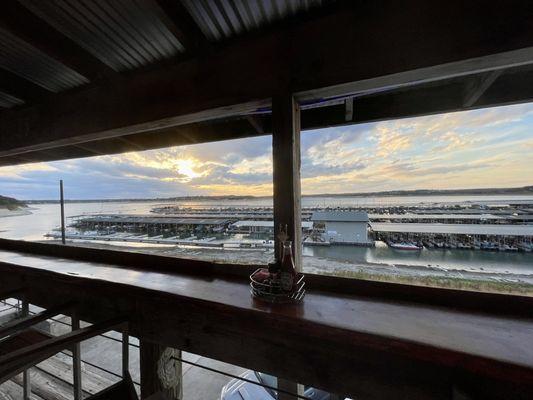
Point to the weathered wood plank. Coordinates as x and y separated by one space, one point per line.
123 390
60 366
46 386
12 391
21 359
21 324
77 382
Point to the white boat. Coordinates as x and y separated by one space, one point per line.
405 246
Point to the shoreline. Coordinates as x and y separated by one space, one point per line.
4 212
400 273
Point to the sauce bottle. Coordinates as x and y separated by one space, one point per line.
287 271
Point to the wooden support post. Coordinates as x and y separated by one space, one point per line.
62 200
26 382
286 176
287 190
160 371
76 360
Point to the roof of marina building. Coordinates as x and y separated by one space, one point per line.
140 219
457 229
480 217
266 224
340 216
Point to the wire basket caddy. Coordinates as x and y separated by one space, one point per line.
272 292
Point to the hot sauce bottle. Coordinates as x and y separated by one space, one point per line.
287 273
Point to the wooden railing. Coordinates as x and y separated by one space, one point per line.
371 340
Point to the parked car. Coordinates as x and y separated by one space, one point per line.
237 389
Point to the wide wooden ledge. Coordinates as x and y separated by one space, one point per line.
358 345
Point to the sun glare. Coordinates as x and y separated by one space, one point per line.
186 167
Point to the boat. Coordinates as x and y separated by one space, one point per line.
404 246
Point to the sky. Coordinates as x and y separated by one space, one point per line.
474 149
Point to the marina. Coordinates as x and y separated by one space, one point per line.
474 227
254 247
266 200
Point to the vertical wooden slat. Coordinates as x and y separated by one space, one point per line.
125 352
286 172
26 382
76 359
160 371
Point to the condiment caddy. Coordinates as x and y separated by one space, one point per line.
280 283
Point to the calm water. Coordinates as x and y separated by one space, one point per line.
45 217
447 259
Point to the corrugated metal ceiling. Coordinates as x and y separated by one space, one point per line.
32 64
8 101
128 34
222 19
124 34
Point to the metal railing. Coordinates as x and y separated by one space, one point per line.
18 307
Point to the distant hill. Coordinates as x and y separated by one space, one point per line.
11 203
524 190
125 200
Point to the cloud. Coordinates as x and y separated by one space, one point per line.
22 171
490 147
261 165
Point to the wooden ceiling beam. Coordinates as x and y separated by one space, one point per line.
182 25
403 45
21 88
512 87
479 85
256 123
21 22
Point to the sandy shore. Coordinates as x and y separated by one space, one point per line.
4 212
321 265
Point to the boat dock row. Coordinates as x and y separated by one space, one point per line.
239 229
173 240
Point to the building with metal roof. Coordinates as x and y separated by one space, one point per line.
453 218
145 220
455 229
342 227
340 216
250 226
